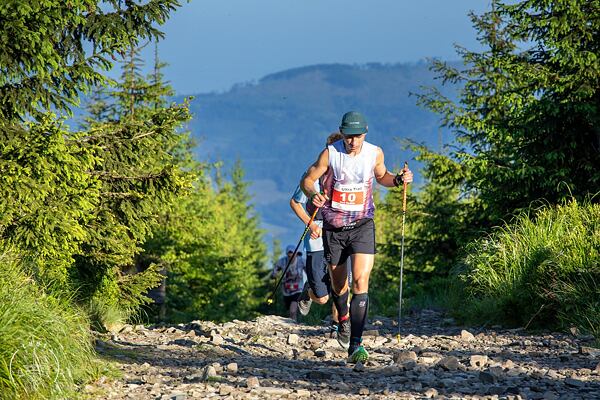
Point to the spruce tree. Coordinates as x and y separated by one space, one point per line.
212 248
47 196
46 60
525 124
78 204
141 176
527 115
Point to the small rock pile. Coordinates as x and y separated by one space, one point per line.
273 357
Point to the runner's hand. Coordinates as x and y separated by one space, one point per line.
319 199
315 231
407 176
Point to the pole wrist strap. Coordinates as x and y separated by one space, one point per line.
398 179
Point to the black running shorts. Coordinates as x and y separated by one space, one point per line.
340 243
287 300
317 274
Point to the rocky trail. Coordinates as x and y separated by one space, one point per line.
272 357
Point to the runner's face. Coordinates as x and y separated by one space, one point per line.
353 142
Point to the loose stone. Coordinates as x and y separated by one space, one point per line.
478 361
209 372
302 393
320 353
574 382
275 391
405 356
466 336
450 363
252 382
232 367
293 339
548 395
217 340
225 390
358 367
487 377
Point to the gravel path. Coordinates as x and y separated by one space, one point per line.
273 357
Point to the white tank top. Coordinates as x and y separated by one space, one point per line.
348 183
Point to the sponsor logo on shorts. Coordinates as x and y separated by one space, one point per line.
349 226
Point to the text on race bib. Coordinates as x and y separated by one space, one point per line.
349 197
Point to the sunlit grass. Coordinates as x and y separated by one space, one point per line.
104 316
542 271
45 344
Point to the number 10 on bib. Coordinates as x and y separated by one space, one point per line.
348 197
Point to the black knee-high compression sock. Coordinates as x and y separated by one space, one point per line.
359 306
341 303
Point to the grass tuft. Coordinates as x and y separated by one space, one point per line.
45 344
538 272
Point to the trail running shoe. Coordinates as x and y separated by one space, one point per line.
343 334
333 329
358 355
304 302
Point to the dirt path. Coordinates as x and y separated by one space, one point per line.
272 357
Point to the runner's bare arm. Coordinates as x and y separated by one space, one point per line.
298 208
275 270
316 170
385 177
382 175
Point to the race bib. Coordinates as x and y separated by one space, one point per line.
349 197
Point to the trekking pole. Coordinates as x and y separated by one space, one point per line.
312 217
404 186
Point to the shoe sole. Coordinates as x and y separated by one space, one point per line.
303 310
304 299
345 346
333 333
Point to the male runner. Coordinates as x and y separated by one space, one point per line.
347 169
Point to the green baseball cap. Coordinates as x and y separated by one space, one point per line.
353 123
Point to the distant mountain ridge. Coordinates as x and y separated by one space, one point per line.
278 125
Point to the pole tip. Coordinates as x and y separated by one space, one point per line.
269 301
398 338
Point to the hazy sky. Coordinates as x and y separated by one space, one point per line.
213 44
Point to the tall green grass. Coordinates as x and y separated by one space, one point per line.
537 272
45 343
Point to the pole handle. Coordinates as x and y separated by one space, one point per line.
404 187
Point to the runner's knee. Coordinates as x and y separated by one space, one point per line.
360 285
339 281
321 300
339 289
